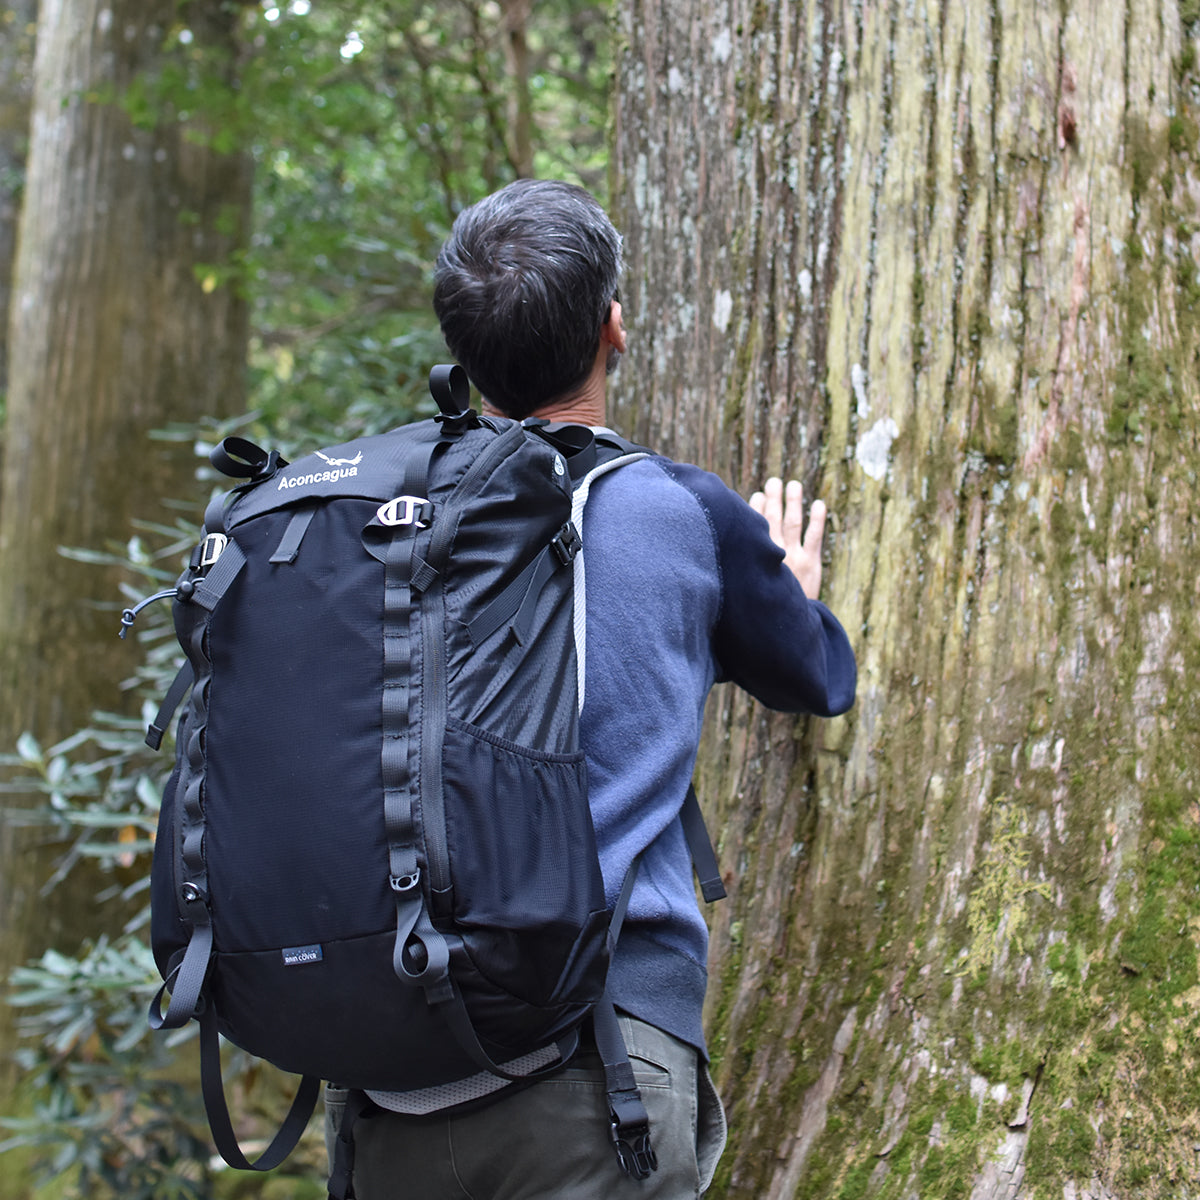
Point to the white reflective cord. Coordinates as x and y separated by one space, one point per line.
580 499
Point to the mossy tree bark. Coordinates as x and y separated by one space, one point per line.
130 215
940 262
18 25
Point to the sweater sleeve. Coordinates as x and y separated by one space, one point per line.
786 650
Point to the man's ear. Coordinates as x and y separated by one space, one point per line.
613 330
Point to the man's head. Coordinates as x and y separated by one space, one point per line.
522 288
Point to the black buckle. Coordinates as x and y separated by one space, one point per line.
271 465
634 1151
566 543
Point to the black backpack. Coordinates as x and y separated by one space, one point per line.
375 862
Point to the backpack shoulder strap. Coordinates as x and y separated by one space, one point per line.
704 857
609 461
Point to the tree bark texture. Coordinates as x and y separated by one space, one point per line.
939 261
116 330
18 26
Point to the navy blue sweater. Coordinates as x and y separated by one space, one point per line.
684 588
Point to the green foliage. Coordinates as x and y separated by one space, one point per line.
108 1113
372 125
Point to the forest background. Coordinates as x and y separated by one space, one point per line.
314 156
936 259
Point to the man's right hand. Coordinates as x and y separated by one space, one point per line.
785 518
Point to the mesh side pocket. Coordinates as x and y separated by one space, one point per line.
528 894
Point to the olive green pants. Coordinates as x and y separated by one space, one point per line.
549 1141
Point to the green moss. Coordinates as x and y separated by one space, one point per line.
979 325
998 906
1009 1061
1146 152
921 1123
1181 134
854 1186
739 379
1063 1148
995 428
1157 952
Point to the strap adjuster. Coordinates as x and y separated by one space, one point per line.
634 1151
211 549
566 543
406 510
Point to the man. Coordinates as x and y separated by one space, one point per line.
686 585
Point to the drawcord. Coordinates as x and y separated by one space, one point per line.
130 614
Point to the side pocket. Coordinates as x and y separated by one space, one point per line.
711 1130
335 1107
527 884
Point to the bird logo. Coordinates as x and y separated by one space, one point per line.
341 462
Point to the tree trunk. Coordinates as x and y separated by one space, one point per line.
18 18
119 326
115 332
939 261
515 25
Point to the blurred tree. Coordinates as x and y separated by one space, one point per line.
940 262
123 318
18 25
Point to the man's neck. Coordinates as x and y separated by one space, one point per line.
585 406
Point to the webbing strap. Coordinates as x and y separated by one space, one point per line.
240 458
704 857
459 1020
577 443
294 1124
214 512
293 535
506 605
397 663
186 981
170 702
621 906
221 574
518 602
629 1124
420 955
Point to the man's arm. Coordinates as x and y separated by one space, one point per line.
770 638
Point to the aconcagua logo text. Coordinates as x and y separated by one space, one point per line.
339 468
